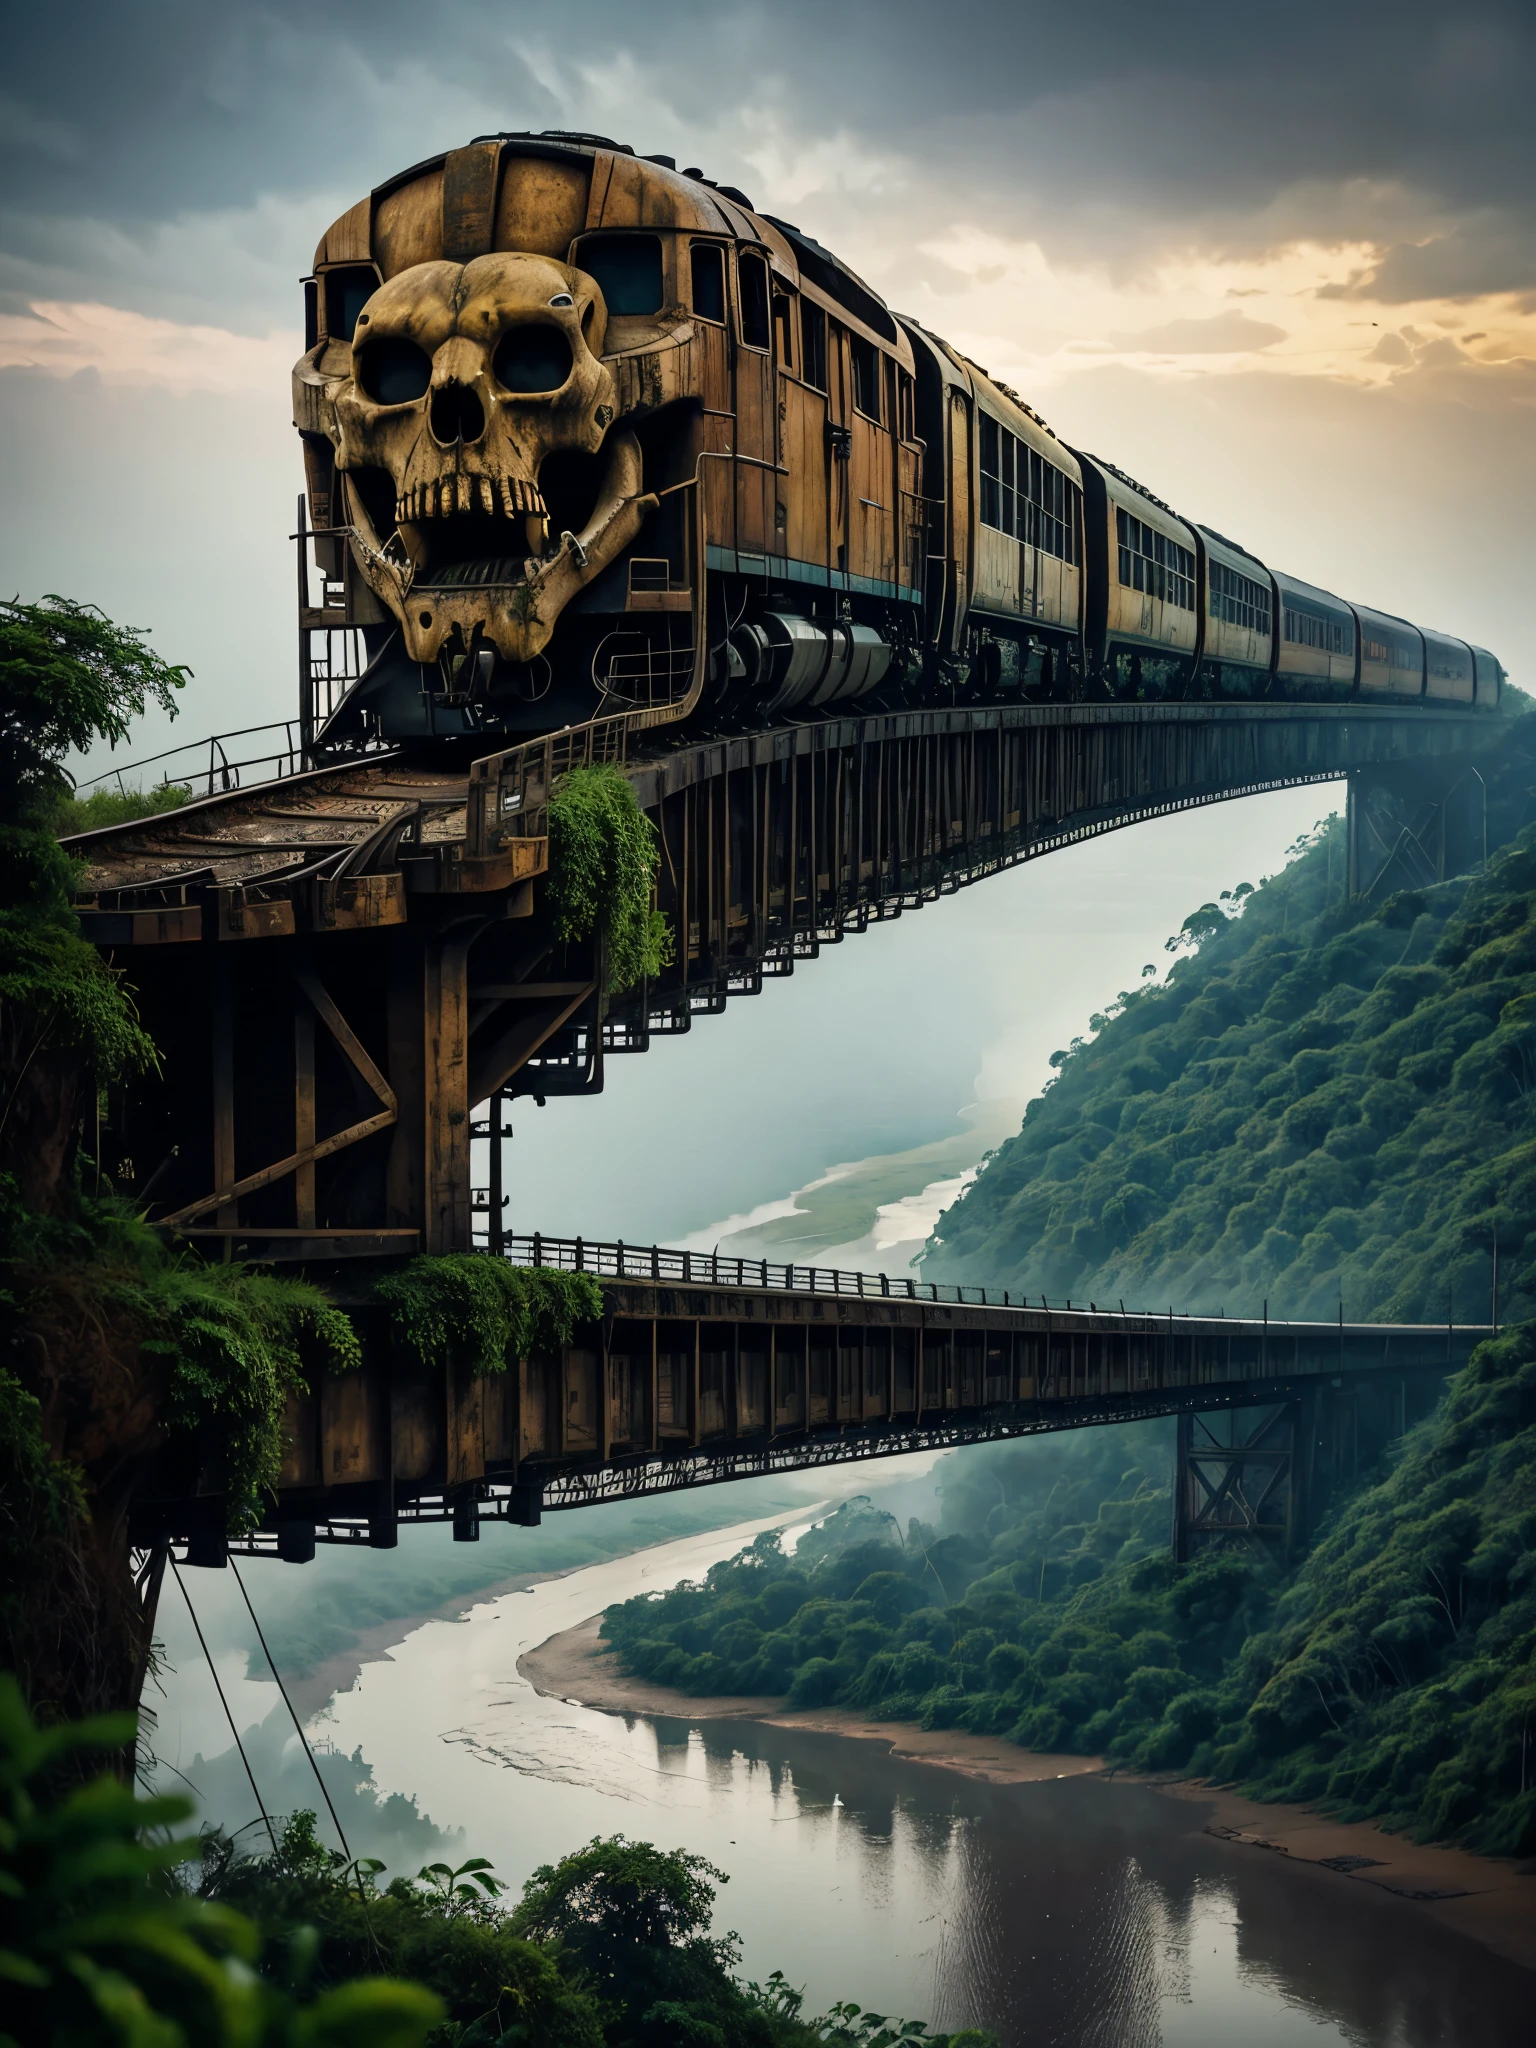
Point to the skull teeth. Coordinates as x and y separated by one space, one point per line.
449 498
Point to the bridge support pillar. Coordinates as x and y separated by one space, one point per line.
1412 823
1270 1474
428 1172
1234 1477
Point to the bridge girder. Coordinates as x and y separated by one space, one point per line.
329 1026
690 1382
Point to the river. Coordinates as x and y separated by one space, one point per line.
1079 1912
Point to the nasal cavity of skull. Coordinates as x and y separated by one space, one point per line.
532 358
457 415
391 370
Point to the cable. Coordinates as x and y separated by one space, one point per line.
224 1703
293 1717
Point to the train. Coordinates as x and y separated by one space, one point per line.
585 434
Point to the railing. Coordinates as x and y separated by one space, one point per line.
620 1261
208 761
509 792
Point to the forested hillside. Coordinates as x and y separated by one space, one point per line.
1391 1676
1324 1100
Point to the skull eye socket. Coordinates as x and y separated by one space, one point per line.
391 370
536 358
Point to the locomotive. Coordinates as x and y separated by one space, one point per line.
585 434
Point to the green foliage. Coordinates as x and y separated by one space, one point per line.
603 859
116 1931
105 807
99 1946
61 994
239 1341
617 1894
1323 1100
634 1921
484 1313
1397 1679
232 1340
42 1507
494 1989
67 676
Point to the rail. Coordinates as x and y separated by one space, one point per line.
616 1260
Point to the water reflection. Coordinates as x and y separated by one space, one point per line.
1069 1914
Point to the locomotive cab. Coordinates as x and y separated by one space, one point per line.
578 428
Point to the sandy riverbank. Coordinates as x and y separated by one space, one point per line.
1490 1899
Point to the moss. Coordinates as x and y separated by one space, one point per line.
238 1341
604 856
482 1313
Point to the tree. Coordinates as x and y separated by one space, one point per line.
67 676
99 1944
615 1893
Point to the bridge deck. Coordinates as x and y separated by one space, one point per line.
705 1370
318 1087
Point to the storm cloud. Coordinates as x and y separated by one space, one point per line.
1111 132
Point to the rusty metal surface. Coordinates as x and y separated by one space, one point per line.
334 848
403 912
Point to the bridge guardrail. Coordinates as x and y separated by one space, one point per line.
613 1259
208 761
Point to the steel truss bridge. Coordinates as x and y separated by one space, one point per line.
703 1370
342 965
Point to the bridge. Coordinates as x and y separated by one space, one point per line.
342 964
702 1370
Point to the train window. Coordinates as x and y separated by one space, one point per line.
1152 561
346 293
991 488
1306 629
905 406
866 376
784 329
707 262
813 345
627 267
1025 496
752 283
1239 600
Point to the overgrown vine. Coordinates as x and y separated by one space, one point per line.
603 854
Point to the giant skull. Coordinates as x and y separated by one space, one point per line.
465 377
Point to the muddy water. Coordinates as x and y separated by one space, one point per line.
1076 1913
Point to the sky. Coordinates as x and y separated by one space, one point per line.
1281 266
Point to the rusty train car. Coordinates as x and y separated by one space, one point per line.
584 433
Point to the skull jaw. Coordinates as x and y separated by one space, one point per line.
517 619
